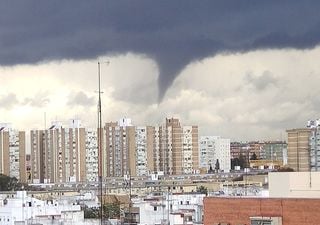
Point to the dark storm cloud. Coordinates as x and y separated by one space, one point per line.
174 33
80 98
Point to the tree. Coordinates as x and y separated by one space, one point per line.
111 210
10 183
210 169
234 162
253 157
217 166
285 169
202 190
242 161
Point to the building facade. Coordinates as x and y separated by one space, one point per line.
294 185
275 151
69 152
298 149
215 150
314 143
119 150
178 148
91 155
59 154
141 150
255 211
13 152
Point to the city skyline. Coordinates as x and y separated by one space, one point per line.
217 65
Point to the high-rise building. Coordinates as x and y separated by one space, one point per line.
144 150
215 150
37 156
91 155
298 149
59 153
69 153
12 152
314 143
176 148
141 150
119 158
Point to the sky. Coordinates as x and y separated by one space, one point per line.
244 70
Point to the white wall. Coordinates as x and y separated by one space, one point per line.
212 148
294 184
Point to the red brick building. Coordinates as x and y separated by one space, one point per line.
247 211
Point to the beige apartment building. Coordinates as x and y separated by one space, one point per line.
176 148
12 152
119 150
70 153
298 149
142 150
58 154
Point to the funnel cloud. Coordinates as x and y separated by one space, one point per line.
173 33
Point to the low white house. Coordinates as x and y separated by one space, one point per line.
176 208
21 209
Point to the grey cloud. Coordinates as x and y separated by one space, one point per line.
174 33
261 82
40 99
9 100
80 98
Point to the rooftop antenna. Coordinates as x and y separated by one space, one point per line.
100 141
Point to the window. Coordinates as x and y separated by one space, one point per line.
155 208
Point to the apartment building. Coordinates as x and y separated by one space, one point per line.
119 149
59 153
214 149
92 155
141 150
314 143
298 149
37 156
13 152
160 162
177 148
274 151
69 152
144 150
128 149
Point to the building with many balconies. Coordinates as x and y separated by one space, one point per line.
12 152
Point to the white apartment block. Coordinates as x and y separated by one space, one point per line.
12 152
141 151
213 148
91 155
314 144
187 150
